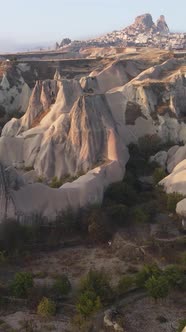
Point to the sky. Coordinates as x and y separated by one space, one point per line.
40 22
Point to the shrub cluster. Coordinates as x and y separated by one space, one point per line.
158 175
22 283
172 201
182 324
62 285
158 282
46 308
125 283
95 291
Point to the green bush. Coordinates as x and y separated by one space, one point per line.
46 308
22 284
56 183
158 175
149 144
62 285
121 193
98 283
98 232
182 324
130 178
40 179
3 258
145 273
94 221
175 275
28 168
183 258
67 222
124 284
172 200
14 237
139 155
88 303
89 215
139 215
36 294
117 214
157 287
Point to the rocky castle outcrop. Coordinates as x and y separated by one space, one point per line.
144 24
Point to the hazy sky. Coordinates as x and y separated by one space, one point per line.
34 21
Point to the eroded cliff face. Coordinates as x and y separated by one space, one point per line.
153 103
14 92
83 125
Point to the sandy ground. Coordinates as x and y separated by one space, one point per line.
76 262
147 316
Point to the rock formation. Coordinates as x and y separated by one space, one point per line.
162 26
142 23
83 125
14 91
65 41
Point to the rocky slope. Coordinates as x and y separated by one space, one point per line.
82 126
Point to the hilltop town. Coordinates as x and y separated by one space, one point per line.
142 33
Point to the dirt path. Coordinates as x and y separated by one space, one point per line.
130 297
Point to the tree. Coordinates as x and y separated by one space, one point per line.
97 231
95 222
124 284
172 201
146 272
62 285
149 144
117 214
176 277
139 215
157 287
56 183
98 283
14 236
121 193
46 308
182 324
158 175
21 284
88 303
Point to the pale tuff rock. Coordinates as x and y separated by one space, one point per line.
82 130
160 158
176 181
158 95
110 317
181 210
70 126
114 75
88 189
14 92
178 156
